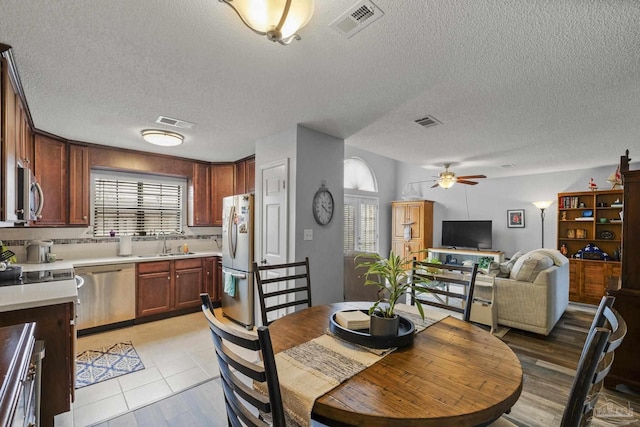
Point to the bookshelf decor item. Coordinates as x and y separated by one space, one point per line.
515 218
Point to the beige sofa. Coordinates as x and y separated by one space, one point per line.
536 292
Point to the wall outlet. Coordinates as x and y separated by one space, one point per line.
308 234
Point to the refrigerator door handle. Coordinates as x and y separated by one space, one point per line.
236 275
233 230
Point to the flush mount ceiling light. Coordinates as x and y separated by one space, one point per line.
279 20
162 137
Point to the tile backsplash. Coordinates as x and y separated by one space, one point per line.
78 243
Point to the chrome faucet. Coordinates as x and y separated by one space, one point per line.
165 249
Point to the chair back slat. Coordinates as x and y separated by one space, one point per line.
441 293
594 364
238 373
295 288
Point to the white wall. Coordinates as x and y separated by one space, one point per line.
313 157
491 198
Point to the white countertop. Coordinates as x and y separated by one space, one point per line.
64 291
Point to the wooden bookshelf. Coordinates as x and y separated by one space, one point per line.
579 223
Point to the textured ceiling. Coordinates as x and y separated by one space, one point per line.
543 85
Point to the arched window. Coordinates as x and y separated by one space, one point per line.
358 175
360 212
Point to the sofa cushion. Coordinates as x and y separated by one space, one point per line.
529 265
504 269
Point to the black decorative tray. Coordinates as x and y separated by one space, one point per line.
406 332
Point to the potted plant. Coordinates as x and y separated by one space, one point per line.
391 275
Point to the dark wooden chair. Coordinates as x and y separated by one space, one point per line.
245 405
451 286
605 336
282 286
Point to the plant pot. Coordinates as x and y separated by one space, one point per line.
384 326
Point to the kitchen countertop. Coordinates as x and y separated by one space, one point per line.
64 291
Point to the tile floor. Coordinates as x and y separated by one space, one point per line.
177 354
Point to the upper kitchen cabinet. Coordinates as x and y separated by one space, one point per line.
50 162
222 183
201 203
245 175
79 174
15 132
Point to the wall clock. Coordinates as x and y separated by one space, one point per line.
323 205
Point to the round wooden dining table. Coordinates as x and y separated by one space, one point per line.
454 374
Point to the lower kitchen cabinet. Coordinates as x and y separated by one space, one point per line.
213 278
54 326
166 286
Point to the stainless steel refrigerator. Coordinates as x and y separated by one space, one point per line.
237 259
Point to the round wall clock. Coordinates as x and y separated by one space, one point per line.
323 205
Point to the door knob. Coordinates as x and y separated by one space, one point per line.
263 261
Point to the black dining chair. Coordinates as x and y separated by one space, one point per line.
607 333
281 286
245 405
451 286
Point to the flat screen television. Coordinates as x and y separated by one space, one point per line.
466 234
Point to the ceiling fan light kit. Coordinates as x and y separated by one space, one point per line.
279 20
446 179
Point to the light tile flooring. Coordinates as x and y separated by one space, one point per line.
177 354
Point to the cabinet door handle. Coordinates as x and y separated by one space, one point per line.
168 277
177 275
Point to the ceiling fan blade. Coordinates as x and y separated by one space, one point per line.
462 181
435 185
472 177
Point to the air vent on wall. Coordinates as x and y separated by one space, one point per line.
356 18
427 121
175 122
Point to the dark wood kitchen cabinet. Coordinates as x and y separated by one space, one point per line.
16 137
50 162
167 286
79 182
222 186
201 203
245 175
54 326
213 278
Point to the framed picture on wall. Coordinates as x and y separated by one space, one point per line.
515 218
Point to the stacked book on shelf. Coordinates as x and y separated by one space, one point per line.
568 202
584 218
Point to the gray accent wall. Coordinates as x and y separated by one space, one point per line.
313 157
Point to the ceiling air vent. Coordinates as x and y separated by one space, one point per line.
427 121
357 18
175 122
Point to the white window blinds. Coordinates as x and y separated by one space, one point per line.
136 207
361 224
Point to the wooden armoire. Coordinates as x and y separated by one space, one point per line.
412 229
626 367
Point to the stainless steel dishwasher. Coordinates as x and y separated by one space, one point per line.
107 296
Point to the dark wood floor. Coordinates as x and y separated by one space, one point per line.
549 365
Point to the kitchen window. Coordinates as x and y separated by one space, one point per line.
136 204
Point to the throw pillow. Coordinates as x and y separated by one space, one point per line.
504 269
526 269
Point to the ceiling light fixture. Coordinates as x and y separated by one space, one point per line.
446 180
279 20
162 137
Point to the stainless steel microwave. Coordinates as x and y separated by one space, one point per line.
30 198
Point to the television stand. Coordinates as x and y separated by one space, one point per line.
473 254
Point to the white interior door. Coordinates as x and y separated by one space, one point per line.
274 220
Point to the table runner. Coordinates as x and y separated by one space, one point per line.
311 369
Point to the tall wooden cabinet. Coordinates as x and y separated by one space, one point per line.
412 227
626 369
590 217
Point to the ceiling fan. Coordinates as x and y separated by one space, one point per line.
447 178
